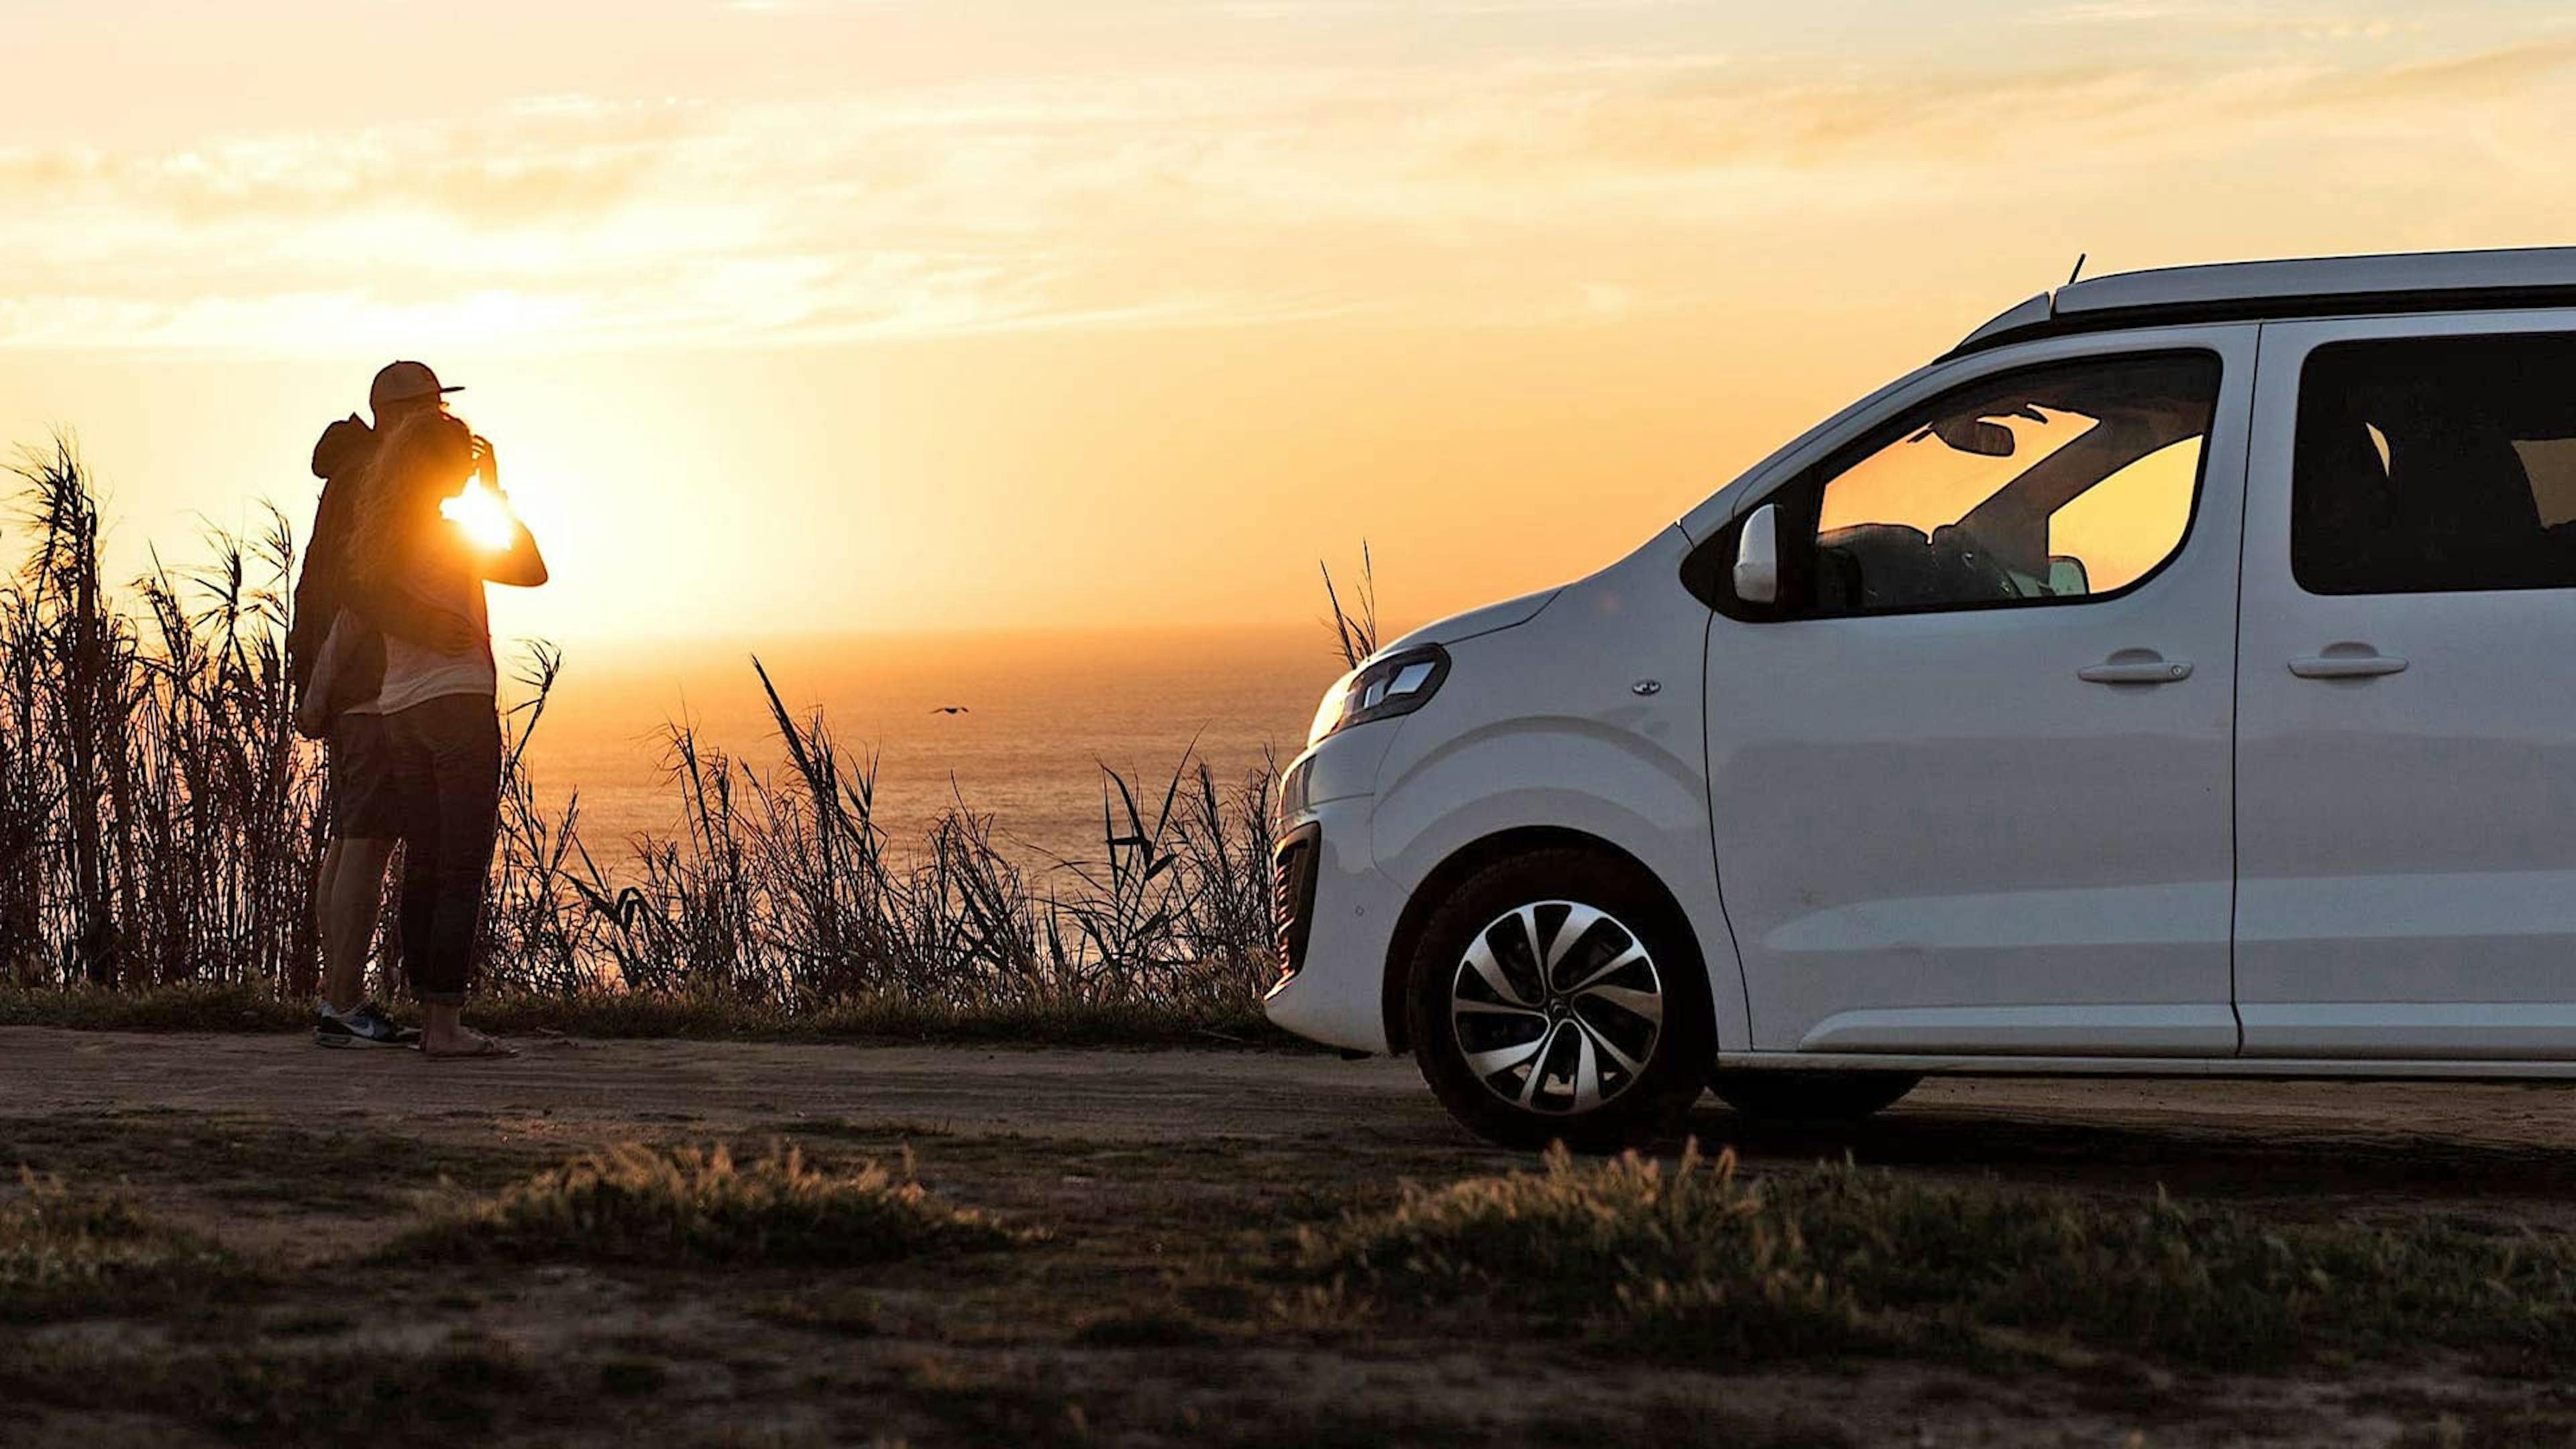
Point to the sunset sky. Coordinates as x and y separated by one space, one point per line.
792 316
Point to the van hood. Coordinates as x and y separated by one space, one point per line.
1491 619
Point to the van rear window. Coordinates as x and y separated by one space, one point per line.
2436 465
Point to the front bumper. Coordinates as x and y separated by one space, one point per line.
1337 994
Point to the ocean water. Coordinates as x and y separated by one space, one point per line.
1042 712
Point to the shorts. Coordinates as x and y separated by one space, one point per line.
366 784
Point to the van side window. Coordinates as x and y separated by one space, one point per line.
2434 465
2051 484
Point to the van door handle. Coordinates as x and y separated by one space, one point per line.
2135 666
2347 661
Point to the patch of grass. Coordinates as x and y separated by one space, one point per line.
337 1168
1685 1254
161 1008
643 1015
690 1206
1692 1263
67 1254
889 1019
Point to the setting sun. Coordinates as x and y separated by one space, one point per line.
481 516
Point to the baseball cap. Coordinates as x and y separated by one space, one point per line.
403 382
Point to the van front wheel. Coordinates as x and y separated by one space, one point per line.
1556 996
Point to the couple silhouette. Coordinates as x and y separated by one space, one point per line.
390 654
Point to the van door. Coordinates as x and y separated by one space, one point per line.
1970 774
2406 778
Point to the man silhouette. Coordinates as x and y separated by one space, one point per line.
365 798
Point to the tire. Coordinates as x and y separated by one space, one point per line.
1618 1043
1814 1099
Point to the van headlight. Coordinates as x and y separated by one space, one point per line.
1380 689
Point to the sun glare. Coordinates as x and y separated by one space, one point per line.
481 516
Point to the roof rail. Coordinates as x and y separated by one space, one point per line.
2309 287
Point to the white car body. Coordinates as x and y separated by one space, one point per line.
1920 842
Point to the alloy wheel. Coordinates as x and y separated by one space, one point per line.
1556 1006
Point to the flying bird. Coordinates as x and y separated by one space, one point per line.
949 709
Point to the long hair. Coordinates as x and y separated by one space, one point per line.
422 458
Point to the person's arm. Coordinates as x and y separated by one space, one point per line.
316 597
519 565
313 701
392 608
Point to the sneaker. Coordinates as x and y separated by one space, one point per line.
365 1025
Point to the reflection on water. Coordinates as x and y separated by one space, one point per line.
1039 713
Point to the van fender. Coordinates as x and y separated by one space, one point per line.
1438 820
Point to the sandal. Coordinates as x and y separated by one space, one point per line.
484 1049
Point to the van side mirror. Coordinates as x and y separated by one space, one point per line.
1757 557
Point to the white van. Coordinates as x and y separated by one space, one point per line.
2176 678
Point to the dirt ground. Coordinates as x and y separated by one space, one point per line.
1153 1173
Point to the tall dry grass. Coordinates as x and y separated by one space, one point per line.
160 825
158 817
1354 624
